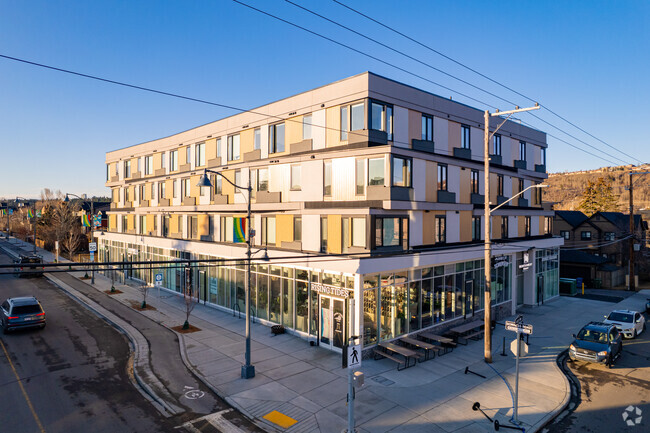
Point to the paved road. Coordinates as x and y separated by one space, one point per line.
606 393
73 372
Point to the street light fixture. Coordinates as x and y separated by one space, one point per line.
33 220
247 370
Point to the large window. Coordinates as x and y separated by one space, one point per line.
295 178
376 171
127 168
188 155
548 226
345 122
162 189
465 137
401 172
217 182
476 228
268 230
585 235
504 227
522 150
297 228
496 144
441 229
327 178
276 138
474 185
381 118
323 234
199 155
527 226
442 177
391 232
148 165
360 176
193 227
262 179
233 147
565 234
357 116
500 184
177 183
358 238
257 142
306 127
427 127
173 160
187 187
521 185
218 147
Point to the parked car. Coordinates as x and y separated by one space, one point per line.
629 323
19 313
29 271
597 342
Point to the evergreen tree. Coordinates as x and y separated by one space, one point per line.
598 197
588 204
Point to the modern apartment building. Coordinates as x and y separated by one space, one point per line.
368 197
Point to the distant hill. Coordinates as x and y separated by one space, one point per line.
565 189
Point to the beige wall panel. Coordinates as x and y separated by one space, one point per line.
204 225
415 125
147 191
428 227
112 222
515 190
493 187
464 196
521 226
542 226
195 191
333 127
495 231
454 136
130 223
227 188
432 182
343 179
210 149
293 130
246 142
173 224
334 234
169 189
182 156
157 161
283 229
465 226
280 179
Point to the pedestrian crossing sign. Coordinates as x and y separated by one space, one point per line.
352 356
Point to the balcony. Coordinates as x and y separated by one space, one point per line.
540 168
268 197
214 162
422 145
219 199
370 137
477 198
160 172
462 152
496 159
189 201
522 202
521 164
446 197
113 205
301 147
502 199
163 202
381 192
115 178
253 156
136 175
144 203
185 167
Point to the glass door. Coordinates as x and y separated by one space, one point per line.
332 322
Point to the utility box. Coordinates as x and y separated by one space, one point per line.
358 379
568 286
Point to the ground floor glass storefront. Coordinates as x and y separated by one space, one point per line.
547 269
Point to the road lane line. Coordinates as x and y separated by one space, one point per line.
29 403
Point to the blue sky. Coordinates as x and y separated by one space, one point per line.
585 60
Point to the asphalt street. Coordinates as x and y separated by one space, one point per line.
606 394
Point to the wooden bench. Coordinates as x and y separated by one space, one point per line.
390 350
429 349
467 331
382 354
444 342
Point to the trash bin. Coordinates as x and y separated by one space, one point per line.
598 283
568 286
579 283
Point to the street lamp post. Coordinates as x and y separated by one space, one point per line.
247 370
631 282
33 220
488 245
92 212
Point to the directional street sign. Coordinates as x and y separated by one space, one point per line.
519 327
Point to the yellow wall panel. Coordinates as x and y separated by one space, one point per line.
210 149
246 142
204 225
415 125
283 229
169 189
521 226
466 226
334 234
195 191
150 223
130 222
173 224
464 186
157 161
112 222
293 130
333 122
182 155
147 191
134 166
454 136
227 188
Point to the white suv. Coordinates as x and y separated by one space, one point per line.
629 323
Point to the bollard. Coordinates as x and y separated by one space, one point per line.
477 406
467 370
503 352
497 426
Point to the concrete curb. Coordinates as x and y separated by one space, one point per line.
138 343
563 404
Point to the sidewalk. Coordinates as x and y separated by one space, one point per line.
308 384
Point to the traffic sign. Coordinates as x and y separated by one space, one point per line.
92 247
519 327
159 279
352 356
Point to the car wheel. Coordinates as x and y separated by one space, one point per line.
609 361
634 334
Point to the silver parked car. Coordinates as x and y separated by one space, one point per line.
19 313
629 323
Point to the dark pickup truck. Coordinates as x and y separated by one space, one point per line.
22 265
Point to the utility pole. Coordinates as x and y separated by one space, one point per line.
631 279
487 256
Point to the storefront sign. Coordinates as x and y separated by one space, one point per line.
500 261
527 264
547 258
330 290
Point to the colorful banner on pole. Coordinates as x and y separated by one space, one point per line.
84 221
38 214
97 220
4 212
239 229
30 213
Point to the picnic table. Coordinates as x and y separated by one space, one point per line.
390 350
467 331
445 342
419 344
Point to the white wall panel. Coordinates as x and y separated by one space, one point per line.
401 127
507 186
343 179
476 140
534 226
280 179
416 221
318 130
311 232
453 179
453 226
311 179
506 150
441 135
419 179
513 228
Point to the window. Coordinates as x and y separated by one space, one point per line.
345 122
360 176
127 194
357 116
522 150
391 232
327 178
527 226
276 139
188 155
358 238
226 229
476 228
306 127
442 177
464 137
173 160
262 179
217 183
427 128
323 234
543 156
565 234
199 155
376 171
474 181
268 230
162 190
143 224
148 165
233 147
187 187
504 227
125 224
177 183
163 160
257 139
165 225
441 230
496 144
108 172
295 178
127 168
500 185
297 229
381 118
521 186
141 195
237 179
218 147
548 225
139 165
153 191
401 172
609 236
193 227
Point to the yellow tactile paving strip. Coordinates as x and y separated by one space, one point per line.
280 419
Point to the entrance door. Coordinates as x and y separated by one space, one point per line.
332 322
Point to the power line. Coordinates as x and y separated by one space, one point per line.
482 75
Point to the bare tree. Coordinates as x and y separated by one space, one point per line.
189 298
67 226
144 289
